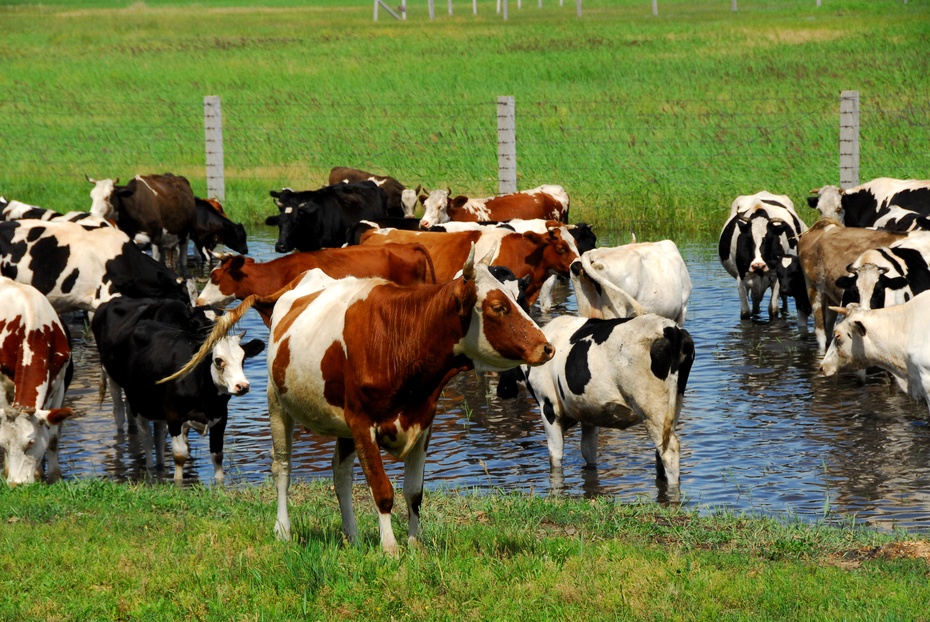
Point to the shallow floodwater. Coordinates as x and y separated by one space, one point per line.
760 430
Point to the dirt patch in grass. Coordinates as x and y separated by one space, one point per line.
910 549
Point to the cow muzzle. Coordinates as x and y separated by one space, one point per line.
241 389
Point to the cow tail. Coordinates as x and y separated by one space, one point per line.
222 327
429 262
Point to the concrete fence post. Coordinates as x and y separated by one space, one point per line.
506 145
849 139
655 8
432 9
734 6
578 7
213 140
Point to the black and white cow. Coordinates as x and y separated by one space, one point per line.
78 268
889 275
142 341
874 201
401 201
315 219
610 373
156 209
16 210
761 231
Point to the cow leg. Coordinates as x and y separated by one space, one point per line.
773 301
217 433
343 464
182 257
146 440
661 429
180 449
282 439
53 471
555 436
817 310
414 464
116 393
589 445
743 286
369 457
160 430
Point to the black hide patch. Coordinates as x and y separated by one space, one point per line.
548 411
68 284
48 262
34 234
598 330
577 372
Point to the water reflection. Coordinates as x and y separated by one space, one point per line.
760 430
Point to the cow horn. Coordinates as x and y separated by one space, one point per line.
489 256
882 270
87 177
468 271
840 310
815 191
851 268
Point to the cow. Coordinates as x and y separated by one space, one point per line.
825 251
401 201
212 227
895 339
524 253
865 204
78 268
549 202
354 235
35 359
365 360
315 219
762 229
611 373
156 209
239 277
630 280
16 210
890 275
142 341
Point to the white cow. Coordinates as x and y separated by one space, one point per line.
897 339
610 373
630 280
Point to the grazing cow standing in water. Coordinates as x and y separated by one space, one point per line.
610 373
36 356
365 360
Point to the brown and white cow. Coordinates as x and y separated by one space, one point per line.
549 202
365 360
529 253
238 277
151 208
401 201
36 356
825 250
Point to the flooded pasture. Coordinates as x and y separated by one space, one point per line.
760 430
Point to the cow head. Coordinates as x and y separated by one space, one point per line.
234 238
850 341
584 237
435 208
24 435
791 280
226 365
500 334
408 199
293 217
869 285
762 243
828 201
220 290
557 254
102 198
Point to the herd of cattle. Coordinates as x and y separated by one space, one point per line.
375 310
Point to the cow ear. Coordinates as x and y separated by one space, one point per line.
273 221
898 282
125 191
533 237
858 328
845 282
236 263
253 348
55 415
274 193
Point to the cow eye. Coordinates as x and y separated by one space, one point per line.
500 309
220 363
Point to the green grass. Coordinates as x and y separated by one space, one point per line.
99 550
651 124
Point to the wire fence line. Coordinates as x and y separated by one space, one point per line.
608 151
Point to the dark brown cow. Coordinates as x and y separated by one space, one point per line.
151 208
240 277
825 250
549 202
365 360
525 254
401 201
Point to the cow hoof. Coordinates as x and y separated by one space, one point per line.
745 315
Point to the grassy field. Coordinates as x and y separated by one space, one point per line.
96 550
652 124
